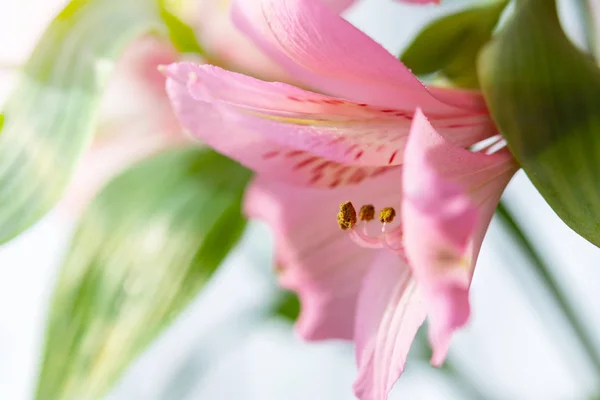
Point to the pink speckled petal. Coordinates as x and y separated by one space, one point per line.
257 151
337 130
390 312
448 200
314 257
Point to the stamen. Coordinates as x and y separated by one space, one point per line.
387 215
366 213
347 216
386 238
347 219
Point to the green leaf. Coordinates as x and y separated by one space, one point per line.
144 248
49 118
182 36
544 94
450 44
288 306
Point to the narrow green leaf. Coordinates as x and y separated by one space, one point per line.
49 118
182 36
450 44
544 95
144 248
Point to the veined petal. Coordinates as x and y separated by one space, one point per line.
448 200
335 129
257 151
314 257
389 314
329 54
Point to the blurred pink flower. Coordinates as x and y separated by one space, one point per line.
136 121
313 151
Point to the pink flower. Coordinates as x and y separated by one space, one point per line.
314 151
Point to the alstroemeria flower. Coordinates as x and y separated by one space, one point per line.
313 151
379 289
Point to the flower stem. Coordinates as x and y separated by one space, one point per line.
545 276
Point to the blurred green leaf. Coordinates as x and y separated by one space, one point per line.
50 116
544 94
182 36
288 306
450 44
144 248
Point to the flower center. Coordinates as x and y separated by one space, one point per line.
357 227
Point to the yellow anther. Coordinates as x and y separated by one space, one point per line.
347 216
366 213
387 215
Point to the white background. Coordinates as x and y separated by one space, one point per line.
516 346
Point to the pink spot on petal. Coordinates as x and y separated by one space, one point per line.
270 154
316 178
322 166
342 171
305 162
294 98
294 153
358 155
357 176
335 183
362 105
388 111
392 157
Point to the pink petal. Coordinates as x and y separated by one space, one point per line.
329 54
314 256
449 198
334 129
257 151
339 6
390 312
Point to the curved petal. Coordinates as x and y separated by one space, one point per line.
448 200
314 256
329 54
256 151
389 314
337 130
